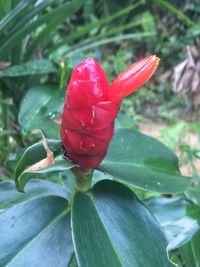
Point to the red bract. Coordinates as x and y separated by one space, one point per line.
91 108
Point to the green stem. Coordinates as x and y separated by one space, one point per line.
83 179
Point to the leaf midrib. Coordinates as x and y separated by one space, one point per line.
107 235
130 164
56 219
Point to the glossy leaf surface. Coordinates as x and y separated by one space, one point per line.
111 228
60 165
141 161
39 67
179 218
39 107
37 229
35 153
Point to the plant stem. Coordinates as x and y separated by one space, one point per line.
83 178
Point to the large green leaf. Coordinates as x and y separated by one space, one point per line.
35 153
35 226
112 228
34 67
38 109
141 161
179 218
60 165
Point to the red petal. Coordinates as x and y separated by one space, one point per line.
132 78
92 117
88 85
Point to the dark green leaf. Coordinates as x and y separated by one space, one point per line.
141 161
60 165
35 189
167 6
85 29
112 228
38 109
35 153
62 14
13 14
118 38
179 218
193 192
190 252
41 66
27 28
35 227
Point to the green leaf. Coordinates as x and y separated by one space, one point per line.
179 218
23 27
35 227
110 227
21 31
85 29
193 192
34 67
177 12
14 14
60 165
118 38
141 161
35 153
38 109
62 14
190 252
148 22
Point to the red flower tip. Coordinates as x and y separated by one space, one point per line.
132 78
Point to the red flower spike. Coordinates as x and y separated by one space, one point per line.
91 108
88 115
132 78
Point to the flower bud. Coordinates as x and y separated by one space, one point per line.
91 108
88 115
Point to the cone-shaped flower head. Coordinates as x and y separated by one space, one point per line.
91 108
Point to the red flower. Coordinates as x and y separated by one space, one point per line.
91 108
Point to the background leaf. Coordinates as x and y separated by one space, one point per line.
179 218
34 67
39 107
139 160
